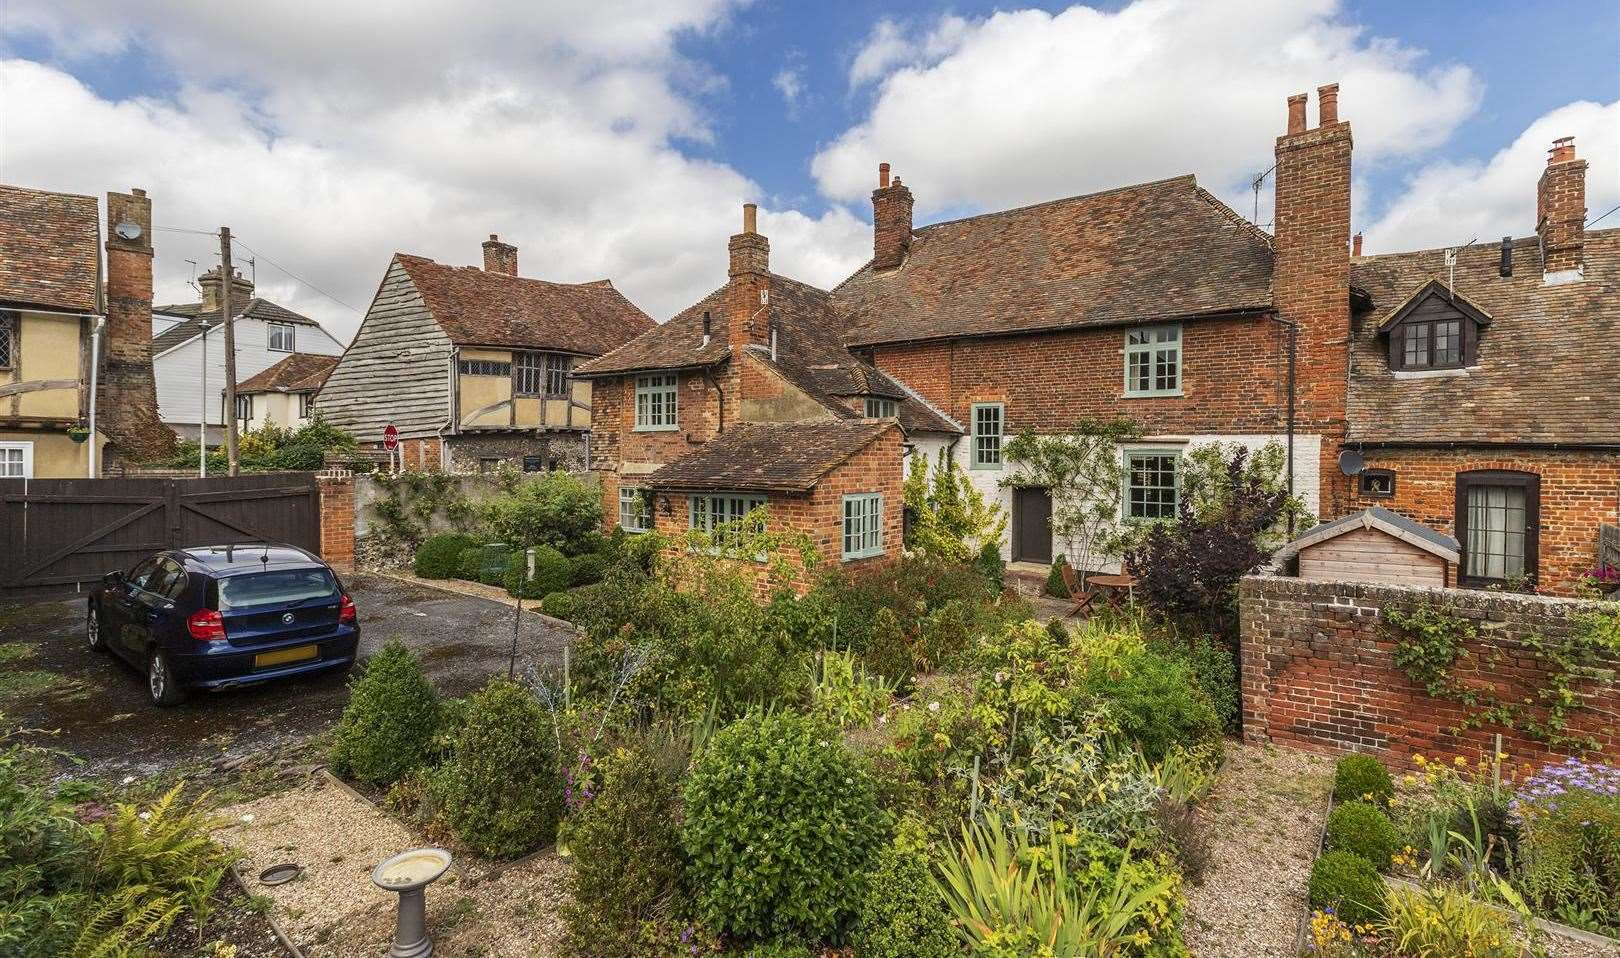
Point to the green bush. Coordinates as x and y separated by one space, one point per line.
991 565
1362 778
1157 702
1363 829
560 605
1349 884
388 726
781 824
558 509
1215 666
439 557
1569 848
626 848
1055 586
551 570
501 790
471 564
587 569
903 915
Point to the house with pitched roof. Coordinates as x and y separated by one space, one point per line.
472 365
188 353
284 394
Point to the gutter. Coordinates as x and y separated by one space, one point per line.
1480 444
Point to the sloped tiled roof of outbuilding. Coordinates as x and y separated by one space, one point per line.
1154 251
476 307
771 456
1547 367
300 372
50 250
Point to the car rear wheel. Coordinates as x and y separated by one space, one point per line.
161 685
92 629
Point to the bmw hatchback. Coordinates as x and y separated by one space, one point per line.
224 616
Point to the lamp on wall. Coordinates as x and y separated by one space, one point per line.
665 508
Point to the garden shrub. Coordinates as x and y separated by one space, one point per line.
781 824
1349 884
388 726
1362 778
1443 921
501 790
1157 702
587 569
991 565
1363 829
625 843
439 557
903 915
843 693
551 570
559 605
471 564
1569 847
1215 667
558 509
1055 586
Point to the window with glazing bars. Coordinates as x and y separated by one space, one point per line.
1496 532
539 374
987 429
863 526
635 510
1432 345
485 367
8 323
656 401
1150 485
711 513
1153 361
879 408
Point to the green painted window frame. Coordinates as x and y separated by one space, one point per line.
664 415
979 439
635 509
863 525
1175 495
1151 350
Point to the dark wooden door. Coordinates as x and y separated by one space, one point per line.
1032 525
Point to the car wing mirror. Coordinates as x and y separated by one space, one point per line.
113 578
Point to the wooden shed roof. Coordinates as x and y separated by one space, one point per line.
1391 524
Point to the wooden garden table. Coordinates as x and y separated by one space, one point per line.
1113 586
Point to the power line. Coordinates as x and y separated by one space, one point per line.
180 229
1611 210
294 277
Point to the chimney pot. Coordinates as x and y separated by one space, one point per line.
137 191
1327 104
500 257
1563 150
883 175
1355 245
1506 268
1296 113
750 218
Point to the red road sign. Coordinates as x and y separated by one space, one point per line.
390 437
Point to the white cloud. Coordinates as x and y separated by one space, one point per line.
789 81
1447 204
1023 106
328 137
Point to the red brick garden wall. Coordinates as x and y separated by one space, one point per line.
1319 672
337 519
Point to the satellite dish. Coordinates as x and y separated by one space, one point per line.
1351 463
128 230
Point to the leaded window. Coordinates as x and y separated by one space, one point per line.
989 421
8 330
1153 361
1151 485
863 526
485 367
539 374
656 402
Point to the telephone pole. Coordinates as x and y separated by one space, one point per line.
226 275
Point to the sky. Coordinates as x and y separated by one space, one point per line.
619 138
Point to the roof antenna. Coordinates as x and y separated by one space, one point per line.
1451 264
1257 182
192 282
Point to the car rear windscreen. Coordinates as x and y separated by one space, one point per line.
280 587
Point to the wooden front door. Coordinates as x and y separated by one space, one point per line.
1032 525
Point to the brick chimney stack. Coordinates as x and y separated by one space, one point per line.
126 404
891 221
1561 210
1311 272
210 282
746 316
499 257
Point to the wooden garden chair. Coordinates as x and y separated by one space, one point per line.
1078 594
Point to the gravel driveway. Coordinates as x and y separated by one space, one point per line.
99 705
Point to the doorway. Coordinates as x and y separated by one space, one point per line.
1032 526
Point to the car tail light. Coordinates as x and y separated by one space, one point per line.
206 625
346 611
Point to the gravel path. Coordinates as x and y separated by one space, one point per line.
1264 819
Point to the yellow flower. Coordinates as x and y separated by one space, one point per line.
1420 760
1461 761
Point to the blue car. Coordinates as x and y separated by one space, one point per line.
224 616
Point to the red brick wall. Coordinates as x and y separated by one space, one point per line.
337 519
614 440
1318 672
1579 492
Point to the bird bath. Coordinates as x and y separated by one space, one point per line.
409 874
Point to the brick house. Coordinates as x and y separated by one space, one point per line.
472 365
749 398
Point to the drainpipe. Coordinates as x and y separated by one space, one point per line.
95 365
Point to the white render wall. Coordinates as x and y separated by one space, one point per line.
179 371
1307 469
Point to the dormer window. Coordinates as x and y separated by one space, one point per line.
1436 328
879 407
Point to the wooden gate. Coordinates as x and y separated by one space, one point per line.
60 536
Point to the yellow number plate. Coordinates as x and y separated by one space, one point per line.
297 653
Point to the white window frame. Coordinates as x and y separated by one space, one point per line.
632 518
27 460
881 407
1151 351
658 403
980 440
863 526
290 330
1175 496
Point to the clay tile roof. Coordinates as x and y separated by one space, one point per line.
1162 250
770 456
300 372
676 344
186 330
1547 368
479 308
50 250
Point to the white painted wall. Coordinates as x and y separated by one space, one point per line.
276 408
1307 465
179 371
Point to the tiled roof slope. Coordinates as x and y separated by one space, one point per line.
1548 365
300 372
50 250
1161 250
770 456
475 307
185 330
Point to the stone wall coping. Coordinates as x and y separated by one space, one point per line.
1378 594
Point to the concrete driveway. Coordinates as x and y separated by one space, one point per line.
50 680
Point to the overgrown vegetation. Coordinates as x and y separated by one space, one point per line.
270 448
